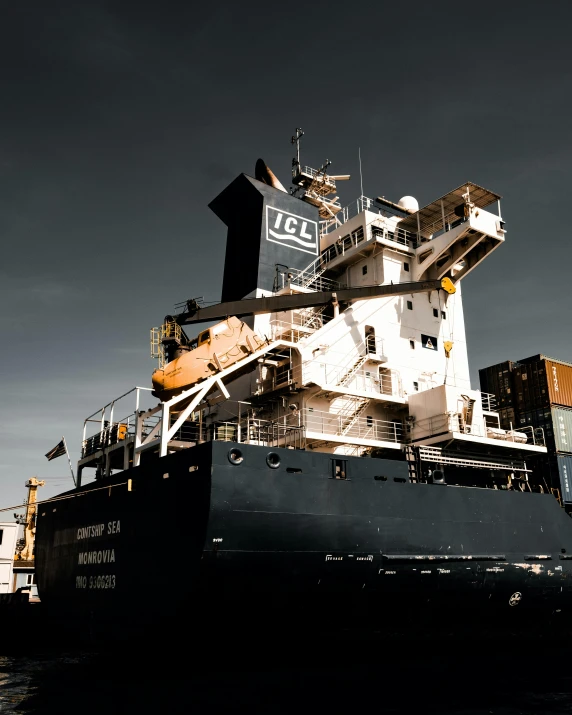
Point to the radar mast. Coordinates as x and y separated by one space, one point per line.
316 184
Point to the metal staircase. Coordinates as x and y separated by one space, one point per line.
312 317
347 376
351 417
348 417
311 276
466 415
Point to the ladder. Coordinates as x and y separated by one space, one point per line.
413 463
312 272
350 419
352 371
312 317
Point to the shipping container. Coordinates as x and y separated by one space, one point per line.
559 377
562 428
564 462
556 422
531 390
507 418
540 381
497 380
545 470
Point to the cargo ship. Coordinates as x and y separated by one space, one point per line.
317 455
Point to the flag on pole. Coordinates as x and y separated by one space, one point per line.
57 451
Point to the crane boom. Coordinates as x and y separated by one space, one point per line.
296 301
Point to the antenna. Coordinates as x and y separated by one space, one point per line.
316 184
360 174
296 140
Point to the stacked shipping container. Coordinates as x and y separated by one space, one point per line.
537 391
498 380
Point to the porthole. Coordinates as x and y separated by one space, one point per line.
273 460
235 456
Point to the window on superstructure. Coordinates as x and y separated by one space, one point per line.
443 315
409 305
357 235
412 344
370 339
369 420
406 267
435 312
416 386
364 270
1 535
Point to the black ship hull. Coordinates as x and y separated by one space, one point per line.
286 544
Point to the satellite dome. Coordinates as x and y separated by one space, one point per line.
408 203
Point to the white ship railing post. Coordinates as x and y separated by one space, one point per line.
165 412
137 438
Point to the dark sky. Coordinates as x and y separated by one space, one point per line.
119 122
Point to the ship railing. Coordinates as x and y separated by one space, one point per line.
115 432
266 433
449 220
309 278
444 422
453 422
489 402
280 329
397 235
521 435
366 428
378 381
361 204
375 230
111 430
311 317
534 435
372 347
457 424
298 328
297 170
272 378
287 375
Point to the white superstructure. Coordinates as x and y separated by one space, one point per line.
388 371
374 376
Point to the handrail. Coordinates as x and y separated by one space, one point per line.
149 389
361 428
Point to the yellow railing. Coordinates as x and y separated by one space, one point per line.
168 331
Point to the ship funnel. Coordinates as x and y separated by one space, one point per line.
264 174
266 227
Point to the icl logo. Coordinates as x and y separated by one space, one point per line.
290 230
